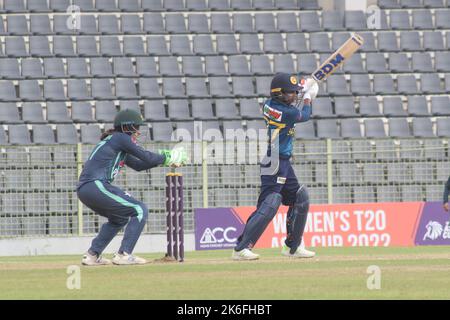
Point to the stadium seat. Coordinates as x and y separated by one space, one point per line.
422 19
360 84
63 46
421 62
227 44
400 20
344 107
249 44
110 46
105 111
9 68
77 90
149 88
431 83
81 112
407 84
442 19
260 65
337 86
180 45
374 128
173 88
309 21
273 43
393 107
87 46
332 20
29 90
133 46
101 89
153 22
196 88
77 68
368 107
175 23
250 109
283 63
433 41
440 106
202 109
417 106
287 22
32 113
203 46
43 134
265 23
399 62
399 128
443 127
296 43
319 42
350 128
355 20
383 84
220 23
32 68
387 41
423 128
40 25
9 113
198 23
243 87
410 41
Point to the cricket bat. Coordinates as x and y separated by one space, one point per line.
338 57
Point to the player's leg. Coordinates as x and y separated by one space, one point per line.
269 201
118 207
297 198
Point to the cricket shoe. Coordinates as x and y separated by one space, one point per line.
244 254
301 252
94 260
127 259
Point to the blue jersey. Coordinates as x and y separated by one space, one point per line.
446 190
113 153
281 119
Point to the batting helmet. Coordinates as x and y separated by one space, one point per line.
128 117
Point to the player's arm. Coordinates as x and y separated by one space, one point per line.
446 194
311 88
305 113
138 158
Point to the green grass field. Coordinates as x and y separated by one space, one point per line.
336 273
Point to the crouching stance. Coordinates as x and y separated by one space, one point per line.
279 185
116 149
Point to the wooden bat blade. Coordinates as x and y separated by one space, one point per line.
341 55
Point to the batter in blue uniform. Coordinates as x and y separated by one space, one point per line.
116 149
446 193
279 185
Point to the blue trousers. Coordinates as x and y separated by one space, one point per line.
120 209
284 182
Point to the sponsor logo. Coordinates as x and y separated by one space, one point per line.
218 235
329 67
435 230
281 180
272 113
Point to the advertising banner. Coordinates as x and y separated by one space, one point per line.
338 225
434 226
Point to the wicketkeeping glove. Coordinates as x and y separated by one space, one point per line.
175 157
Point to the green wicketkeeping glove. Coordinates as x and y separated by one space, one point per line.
174 158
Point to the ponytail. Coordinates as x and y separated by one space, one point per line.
107 133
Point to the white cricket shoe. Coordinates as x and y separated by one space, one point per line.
93 260
127 259
244 254
300 253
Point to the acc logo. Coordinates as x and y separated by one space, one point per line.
434 230
293 79
272 113
329 67
217 235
